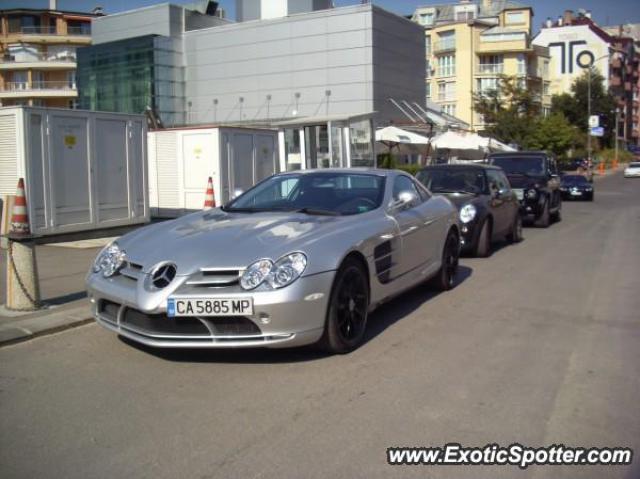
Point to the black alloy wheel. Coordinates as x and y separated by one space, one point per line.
445 279
348 309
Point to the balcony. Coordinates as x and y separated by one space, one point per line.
490 69
49 34
41 61
444 46
39 89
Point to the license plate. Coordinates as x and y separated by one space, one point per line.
207 307
519 194
576 193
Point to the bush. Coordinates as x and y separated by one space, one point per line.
388 162
609 154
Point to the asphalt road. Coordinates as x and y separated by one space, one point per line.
539 344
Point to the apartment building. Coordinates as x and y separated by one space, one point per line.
613 51
471 45
38 55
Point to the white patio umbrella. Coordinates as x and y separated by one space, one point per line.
453 140
392 135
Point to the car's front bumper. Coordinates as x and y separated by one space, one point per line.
287 317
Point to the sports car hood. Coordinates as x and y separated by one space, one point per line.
522 181
224 240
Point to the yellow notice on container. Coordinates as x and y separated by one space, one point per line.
70 141
197 151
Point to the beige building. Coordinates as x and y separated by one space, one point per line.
38 55
470 45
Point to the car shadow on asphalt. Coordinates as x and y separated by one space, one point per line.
381 319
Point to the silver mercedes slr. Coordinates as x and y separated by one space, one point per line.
300 258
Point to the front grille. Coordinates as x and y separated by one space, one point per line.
233 326
210 278
162 324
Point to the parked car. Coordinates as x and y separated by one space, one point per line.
534 178
300 258
576 187
632 170
487 206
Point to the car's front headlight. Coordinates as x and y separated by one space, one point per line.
532 194
467 213
277 275
110 260
256 274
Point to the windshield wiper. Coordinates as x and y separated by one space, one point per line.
317 211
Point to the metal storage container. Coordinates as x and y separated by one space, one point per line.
182 159
83 170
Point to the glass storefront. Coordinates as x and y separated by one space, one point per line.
334 144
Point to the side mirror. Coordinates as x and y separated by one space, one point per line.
405 200
237 192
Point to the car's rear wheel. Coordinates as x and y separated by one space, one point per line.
515 235
348 307
483 245
545 217
445 279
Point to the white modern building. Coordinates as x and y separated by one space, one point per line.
568 38
324 77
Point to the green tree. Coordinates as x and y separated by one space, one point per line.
509 111
574 106
553 133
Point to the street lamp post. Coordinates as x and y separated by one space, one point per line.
585 60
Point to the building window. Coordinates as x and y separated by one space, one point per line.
521 83
426 19
427 45
514 18
447 66
522 64
486 85
449 109
428 90
446 91
493 64
545 88
446 40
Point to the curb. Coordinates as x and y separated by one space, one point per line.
20 330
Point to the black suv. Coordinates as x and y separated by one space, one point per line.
534 178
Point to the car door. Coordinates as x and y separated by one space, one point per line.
411 219
511 205
500 201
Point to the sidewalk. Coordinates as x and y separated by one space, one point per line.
62 269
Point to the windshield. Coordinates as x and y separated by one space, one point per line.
453 180
574 180
522 165
314 193
634 165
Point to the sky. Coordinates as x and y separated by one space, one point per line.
611 12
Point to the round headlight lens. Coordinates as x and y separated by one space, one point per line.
532 193
467 213
110 260
255 274
287 269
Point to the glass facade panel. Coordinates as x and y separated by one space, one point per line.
360 138
129 76
292 149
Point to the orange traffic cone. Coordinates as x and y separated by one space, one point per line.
209 199
19 215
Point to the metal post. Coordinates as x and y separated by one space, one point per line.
588 117
615 137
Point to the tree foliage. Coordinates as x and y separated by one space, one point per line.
513 115
574 106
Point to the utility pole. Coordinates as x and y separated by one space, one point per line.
588 117
615 137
